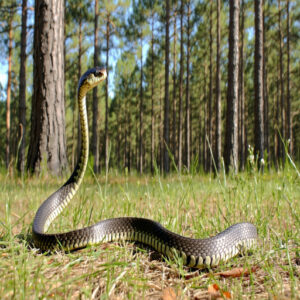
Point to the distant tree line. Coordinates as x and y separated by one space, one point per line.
192 85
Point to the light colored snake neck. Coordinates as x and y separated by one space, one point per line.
41 221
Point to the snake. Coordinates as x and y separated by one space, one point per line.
194 253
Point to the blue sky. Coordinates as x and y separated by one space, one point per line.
3 75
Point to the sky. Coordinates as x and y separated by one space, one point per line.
3 75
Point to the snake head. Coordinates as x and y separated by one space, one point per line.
92 77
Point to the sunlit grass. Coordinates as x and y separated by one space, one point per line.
195 206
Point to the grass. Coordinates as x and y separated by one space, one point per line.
192 205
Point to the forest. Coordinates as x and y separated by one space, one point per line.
191 158
192 85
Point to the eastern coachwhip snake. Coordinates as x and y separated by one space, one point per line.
194 252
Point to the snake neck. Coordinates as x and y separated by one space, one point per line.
77 176
47 212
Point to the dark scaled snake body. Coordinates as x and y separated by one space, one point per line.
194 252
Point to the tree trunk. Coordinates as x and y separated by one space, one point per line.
180 90
47 138
106 94
210 100
230 151
95 143
204 141
266 96
152 97
289 135
8 90
187 105
282 106
277 142
166 146
128 136
141 132
78 77
218 93
22 92
258 86
160 128
242 126
174 148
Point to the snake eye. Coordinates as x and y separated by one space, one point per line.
100 72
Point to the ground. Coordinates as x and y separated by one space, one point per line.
192 205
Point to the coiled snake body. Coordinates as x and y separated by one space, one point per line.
194 252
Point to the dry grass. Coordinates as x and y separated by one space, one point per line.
198 206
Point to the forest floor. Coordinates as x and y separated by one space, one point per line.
192 205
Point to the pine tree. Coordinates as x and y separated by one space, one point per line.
47 136
231 155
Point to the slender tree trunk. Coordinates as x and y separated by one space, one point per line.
106 94
78 77
210 100
174 148
141 132
47 137
218 92
152 97
119 130
187 105
95 143
22 92
289 135
125 136
282 105
129 154
231 153
242 131
258 86
277 142
200 134
74 104
8 90
160 129
180 89
166 145
266 96
205 121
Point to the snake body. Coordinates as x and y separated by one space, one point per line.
194 252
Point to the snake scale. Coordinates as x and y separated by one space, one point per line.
194 252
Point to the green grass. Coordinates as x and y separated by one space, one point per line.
195 206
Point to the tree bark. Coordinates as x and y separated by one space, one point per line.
22 92
106 94
289 135
78 77
242 125
47 138
152 97
231 153
258 86
95 143
141 132
282 105
210 100
8 89
180 89
204 140
266 96
187 102
174 148
166 146
218 93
